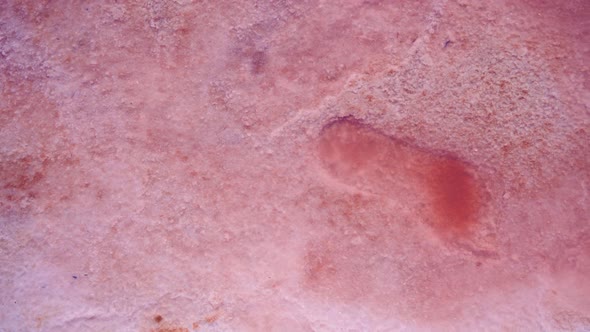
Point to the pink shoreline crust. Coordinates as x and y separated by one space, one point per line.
294 165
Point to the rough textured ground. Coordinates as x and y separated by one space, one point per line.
294 165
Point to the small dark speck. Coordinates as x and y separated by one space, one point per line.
158 318
447 43
75 277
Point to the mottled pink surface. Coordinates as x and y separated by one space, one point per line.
310 165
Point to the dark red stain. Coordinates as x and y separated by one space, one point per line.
454 193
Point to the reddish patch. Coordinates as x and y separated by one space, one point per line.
358 154
212 318
378 233
454 193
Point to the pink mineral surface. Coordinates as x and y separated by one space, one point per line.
294 165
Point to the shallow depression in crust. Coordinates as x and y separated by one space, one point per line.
448 185
411 211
